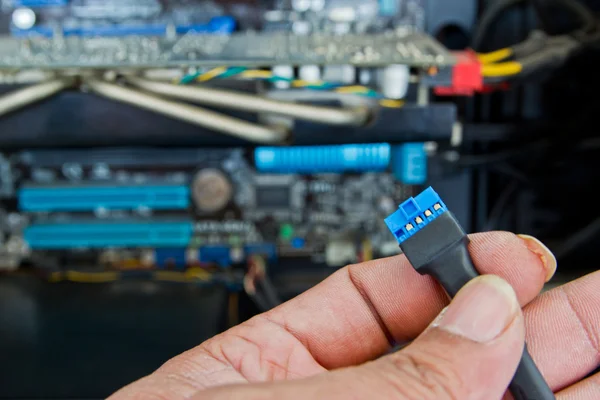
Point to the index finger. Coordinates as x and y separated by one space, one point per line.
356 314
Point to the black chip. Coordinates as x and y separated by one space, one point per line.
273 196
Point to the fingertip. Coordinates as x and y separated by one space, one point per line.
543 252
508 256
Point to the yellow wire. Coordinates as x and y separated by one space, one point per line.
213 73
503 69
302 83
170 276
198 273
353 89
91 277
391 103
495 56
256 73
55 277
191 275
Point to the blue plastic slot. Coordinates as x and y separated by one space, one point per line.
116 30
409 163
217 25
40 3
268 250
97 235
222 24
316 159
220 255
110 197
414 214
170 257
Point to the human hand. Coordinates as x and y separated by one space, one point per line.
321 343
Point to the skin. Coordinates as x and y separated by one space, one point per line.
332 341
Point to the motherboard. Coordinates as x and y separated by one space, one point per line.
175 208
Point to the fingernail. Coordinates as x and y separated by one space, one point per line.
481 310
545 255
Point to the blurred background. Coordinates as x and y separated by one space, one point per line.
169 169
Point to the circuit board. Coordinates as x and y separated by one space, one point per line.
243 49
175 208
143 17
58 34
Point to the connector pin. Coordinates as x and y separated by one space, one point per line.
419 220
409 227
428 213
437 206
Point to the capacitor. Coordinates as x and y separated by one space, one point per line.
283 71
23 18
211 190
309 73
394 80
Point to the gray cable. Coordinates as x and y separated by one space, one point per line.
31 94
222 98
195 115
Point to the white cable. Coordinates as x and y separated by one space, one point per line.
31 94
195 115
221 98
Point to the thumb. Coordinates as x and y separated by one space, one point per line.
470 352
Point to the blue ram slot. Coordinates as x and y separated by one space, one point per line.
415 214
109 234
217 25
317 159
90 198
40 3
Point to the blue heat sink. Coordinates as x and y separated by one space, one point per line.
318 159
217 25
415 214
108 234
89 198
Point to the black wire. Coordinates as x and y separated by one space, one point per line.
586 16
500 206
543 13
578 239
497 8
488 18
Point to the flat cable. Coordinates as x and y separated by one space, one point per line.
435 244
357 116
194 115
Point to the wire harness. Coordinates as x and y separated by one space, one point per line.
435 244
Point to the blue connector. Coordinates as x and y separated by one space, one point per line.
415 214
